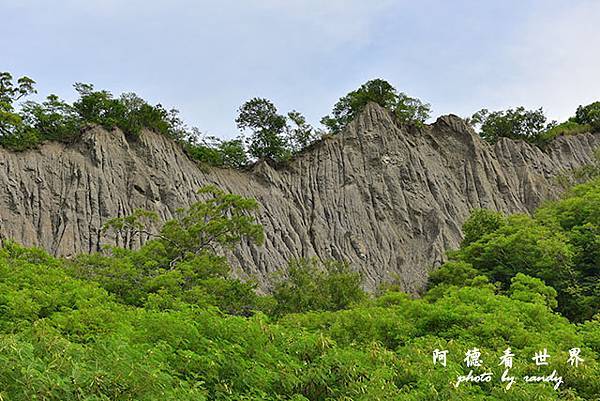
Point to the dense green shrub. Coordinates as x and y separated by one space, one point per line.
569 127
310 285
408 110
589 115
518 123
57 120
272 135
532 126
560 245
66 339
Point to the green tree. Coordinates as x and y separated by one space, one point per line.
182 261
559 245
518 123
11 92
406 108
480 223
53 119
589 115
267 129
222 220
216 152
530 289
14 134
137 225
97 107
309 285
300 133
233 153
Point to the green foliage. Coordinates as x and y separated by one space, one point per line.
131 227
300 134
589 115
530 289
11 92
531 126
267 127
559 245
67 339
272 135
216 152
518 123
130 113
57 120
13 132
462 318
408 110
53 119
181 262
568 127
311 285
456 273
480 223
221 220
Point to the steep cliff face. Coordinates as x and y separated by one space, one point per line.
387 198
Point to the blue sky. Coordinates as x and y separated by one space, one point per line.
207 57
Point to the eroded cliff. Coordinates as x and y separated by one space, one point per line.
389 199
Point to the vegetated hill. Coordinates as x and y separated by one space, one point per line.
390 199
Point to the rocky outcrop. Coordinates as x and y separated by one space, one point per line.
390 199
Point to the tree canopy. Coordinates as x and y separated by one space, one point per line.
273 135
558 245
518 123
404 107
532 125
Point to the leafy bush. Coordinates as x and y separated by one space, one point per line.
180 262
67 339
559 245
569 127
309 285
589 115
273 135
57 120
408 110
480 223
518 123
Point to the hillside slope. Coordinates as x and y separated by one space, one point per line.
388 198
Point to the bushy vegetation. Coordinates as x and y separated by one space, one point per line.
309 285
67 339
532 125
588 115
272 136
57 120
265 133
407 110
167 322
518 123
560 244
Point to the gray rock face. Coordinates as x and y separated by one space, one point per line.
387 198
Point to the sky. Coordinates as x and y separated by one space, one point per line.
206 58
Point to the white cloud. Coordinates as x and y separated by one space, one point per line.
557 62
